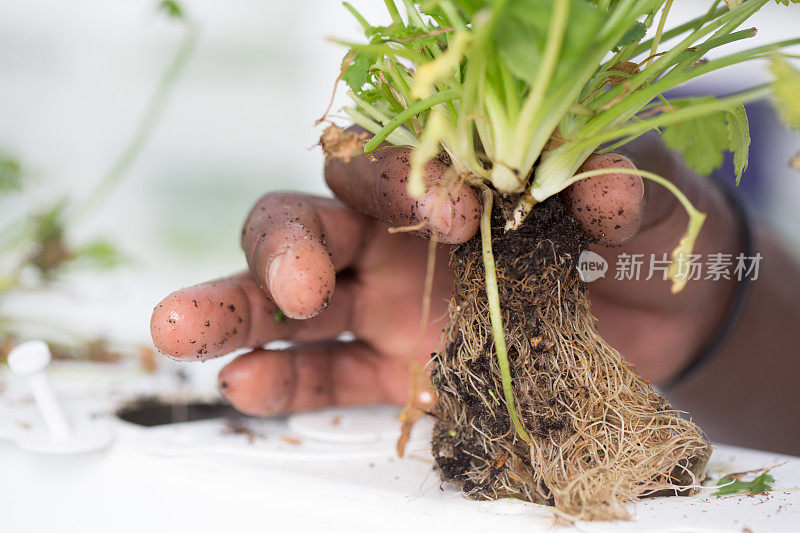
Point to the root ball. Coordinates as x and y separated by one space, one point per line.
600 435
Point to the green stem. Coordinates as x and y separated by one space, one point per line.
532 104
687 113
453 16
399 137
381 49
636 101
375 114
556 169
683 28
561 98
413 15
493 298
406 114
729 20
621 142
689 58
659 31
685 246
724 61
709 14
393 12
365 26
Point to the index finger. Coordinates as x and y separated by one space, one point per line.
376 185
295 244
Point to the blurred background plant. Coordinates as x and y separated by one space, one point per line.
37 250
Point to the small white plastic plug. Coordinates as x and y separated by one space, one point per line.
29 360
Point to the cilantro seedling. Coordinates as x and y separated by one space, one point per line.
760 485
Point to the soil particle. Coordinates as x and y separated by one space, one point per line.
240 427
294 441
454 456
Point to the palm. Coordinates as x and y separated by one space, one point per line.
388 285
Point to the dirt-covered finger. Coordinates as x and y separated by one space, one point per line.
646 206
294 244
608 207
265 382
215 318
378 186
659 206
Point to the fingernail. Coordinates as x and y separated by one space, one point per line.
437 209
273 276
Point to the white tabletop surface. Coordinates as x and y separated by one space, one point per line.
334 469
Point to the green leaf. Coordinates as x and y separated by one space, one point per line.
99 254
10 173
759 485
703 140
370 95
470 7
787 91
171 8
393 32
47 230
521 34
634 34
49 224
361 20
739 139
356 74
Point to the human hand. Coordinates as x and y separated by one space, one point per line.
319 268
